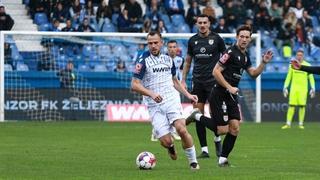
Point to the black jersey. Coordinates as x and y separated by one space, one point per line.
205 52
234 63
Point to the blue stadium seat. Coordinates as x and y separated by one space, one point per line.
88 50
108 27
22 67
40 18
119 50
114 18
83 68
100 68
44 27
177 19
8 67
165 18
104 50
183 28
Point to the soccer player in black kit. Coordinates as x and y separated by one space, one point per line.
205 49
223 100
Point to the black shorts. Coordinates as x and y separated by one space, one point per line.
202 90
220 96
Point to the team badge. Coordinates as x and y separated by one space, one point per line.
211 41
138 68
224 58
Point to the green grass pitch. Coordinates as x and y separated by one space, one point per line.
100 150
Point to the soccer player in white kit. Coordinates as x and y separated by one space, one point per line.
155 79
172 47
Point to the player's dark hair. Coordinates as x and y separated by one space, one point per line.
172 41
204 15
244 28
152 33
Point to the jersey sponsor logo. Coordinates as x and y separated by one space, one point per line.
224 58
138 68
203 50
211 41
162 69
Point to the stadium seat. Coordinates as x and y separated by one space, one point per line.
100 68
40 18
83 68
104 50
22 67
114 18
44 27
183 28
8 67
108 27
119 50
88 50
177 20
165 18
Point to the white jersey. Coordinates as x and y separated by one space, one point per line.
178 62
156 74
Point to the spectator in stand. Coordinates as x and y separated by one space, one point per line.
134 11
69 27
193 13
55 26
286 7
249 22
240 11
298 10
6 22
121 66
40 6
85 26
75 11
146 28
221 27
60 13
89 11
217 8
104 11
230 15
150 4
307 21
174 7
124 22
7 55
115 5
284 39
161 27
291 18
154 17
301 35
275 16
262 17
209 11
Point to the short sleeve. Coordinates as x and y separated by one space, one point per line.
140 68
173 69
190 48
225 58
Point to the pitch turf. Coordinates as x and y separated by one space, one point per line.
99 150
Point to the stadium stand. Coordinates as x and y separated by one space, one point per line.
27 16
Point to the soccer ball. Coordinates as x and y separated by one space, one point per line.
146 160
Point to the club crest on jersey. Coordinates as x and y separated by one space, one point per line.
138 68
203 50
224 58
211 41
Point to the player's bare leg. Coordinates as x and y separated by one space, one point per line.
167 142
187 143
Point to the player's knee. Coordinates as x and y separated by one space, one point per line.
234 130
166 141
182 131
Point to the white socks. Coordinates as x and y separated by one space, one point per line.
198 116
191 154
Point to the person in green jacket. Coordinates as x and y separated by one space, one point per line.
297 82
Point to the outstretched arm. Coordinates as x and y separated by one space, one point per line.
310 69
266 58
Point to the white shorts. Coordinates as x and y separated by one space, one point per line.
163 115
